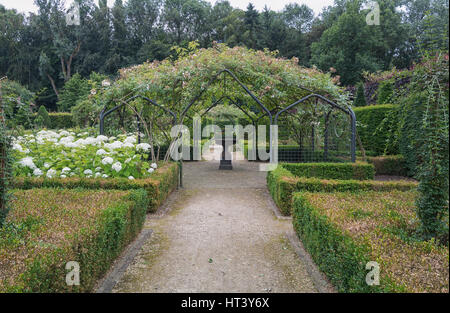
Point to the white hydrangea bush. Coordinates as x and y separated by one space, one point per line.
65 154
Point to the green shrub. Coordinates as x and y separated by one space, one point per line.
385 92
282 184
389 165
360 171
42 118
360 98
158 188
368 119
16 101
91 233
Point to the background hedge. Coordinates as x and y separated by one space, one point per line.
60 120
368 120
158 188
360 171
389 165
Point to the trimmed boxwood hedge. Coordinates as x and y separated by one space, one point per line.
60 120
389 165
334 252
94 247
282 184
369 118
360 171
162 183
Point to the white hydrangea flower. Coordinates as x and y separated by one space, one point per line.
114 145
87 172
63 176
17 147
107 160
101 152
97 175
50 173
128 145
28 162
46 165
130 139
130 177
117 166
143 146
102 138
154 165
106 83
105 176
151 170
66 170
37 172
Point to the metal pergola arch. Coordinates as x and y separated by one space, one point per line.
347 110
266 112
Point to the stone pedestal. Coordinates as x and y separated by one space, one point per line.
225 160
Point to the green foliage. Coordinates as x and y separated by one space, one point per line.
42 118
389 165
94 243
282 184
369 119
85 113
385 92
433 161
360 98
359 171
17 103
75 89
162 183
61 120
5 165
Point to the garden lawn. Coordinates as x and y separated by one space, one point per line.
345 230
46 228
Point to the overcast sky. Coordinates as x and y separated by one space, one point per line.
276 5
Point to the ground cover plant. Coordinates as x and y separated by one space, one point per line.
47 228
344 230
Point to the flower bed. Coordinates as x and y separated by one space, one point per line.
158 187
81 154
344 231
47 228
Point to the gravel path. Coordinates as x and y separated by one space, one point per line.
219 234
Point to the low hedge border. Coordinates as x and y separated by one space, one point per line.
359 171
282 184
60 120
335 253
94 249
389 165
162 183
